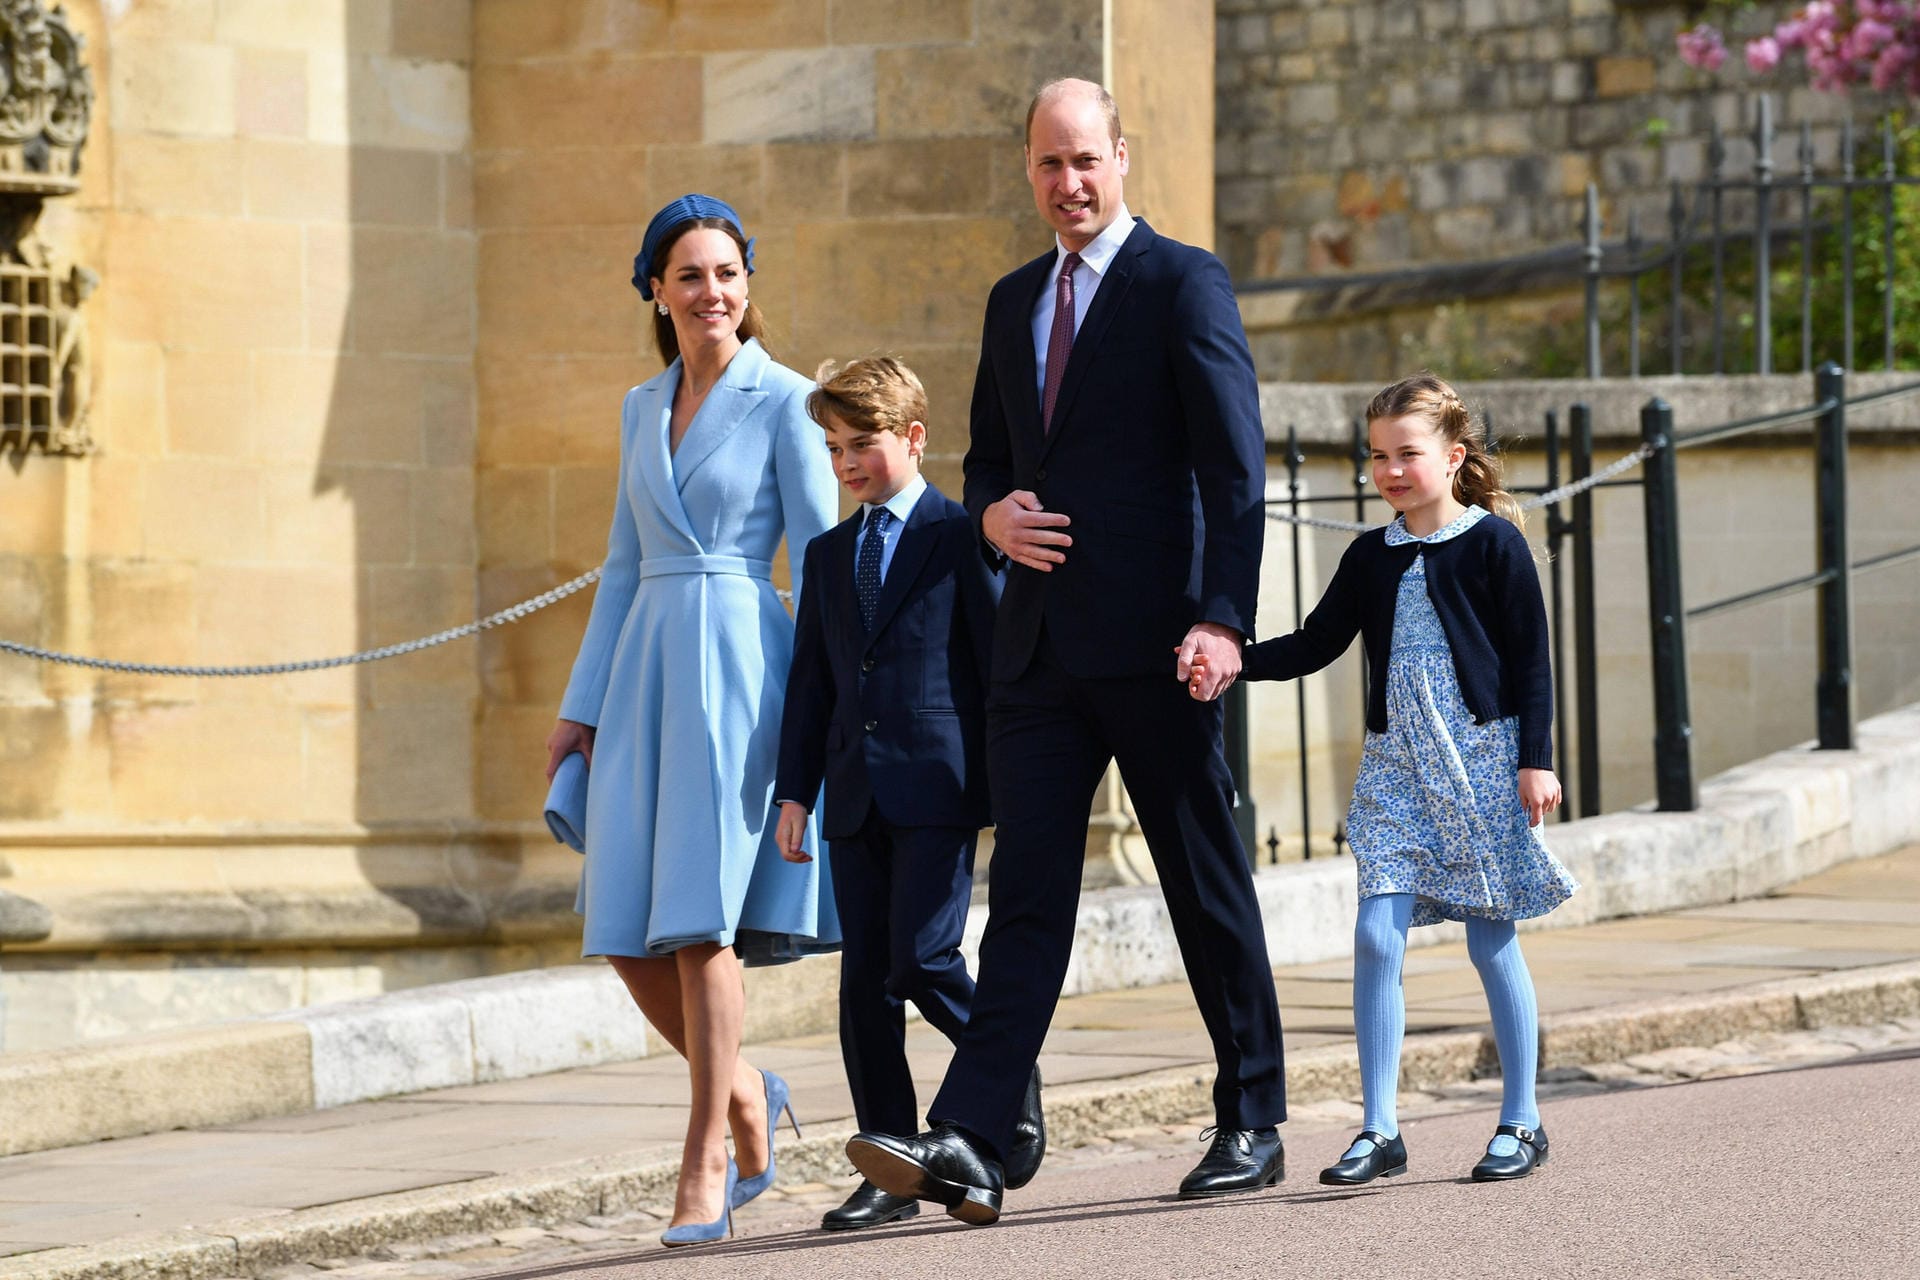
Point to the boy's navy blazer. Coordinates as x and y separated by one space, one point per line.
1156 454
893 717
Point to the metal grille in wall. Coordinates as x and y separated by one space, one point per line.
27 370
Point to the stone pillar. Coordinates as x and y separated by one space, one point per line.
1159 66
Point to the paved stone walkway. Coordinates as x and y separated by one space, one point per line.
1862 914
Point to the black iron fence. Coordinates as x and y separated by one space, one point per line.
1756 271
1667 612
1795 233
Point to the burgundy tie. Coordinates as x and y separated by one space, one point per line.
1060 341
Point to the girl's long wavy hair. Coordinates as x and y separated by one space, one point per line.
1479 479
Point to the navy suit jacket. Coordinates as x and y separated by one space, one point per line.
1156 454
893 717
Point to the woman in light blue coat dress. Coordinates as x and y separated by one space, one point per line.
676 695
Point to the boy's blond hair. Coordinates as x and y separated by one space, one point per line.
877 393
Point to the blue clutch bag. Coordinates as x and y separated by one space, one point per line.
567 803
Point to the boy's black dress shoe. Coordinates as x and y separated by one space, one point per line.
868 1206
1029 1138
1238 1160
1533 1151
1387 1159
941 1165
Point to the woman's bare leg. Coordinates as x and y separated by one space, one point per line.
713 1008
654 983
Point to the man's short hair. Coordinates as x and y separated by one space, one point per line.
1071 86
876 393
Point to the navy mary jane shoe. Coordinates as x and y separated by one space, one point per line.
1531 1153
1384 1158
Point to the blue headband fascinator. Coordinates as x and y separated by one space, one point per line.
685 209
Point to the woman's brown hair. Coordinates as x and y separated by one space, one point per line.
1478 481
752 323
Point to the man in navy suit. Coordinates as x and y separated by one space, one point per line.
886 704
1117 461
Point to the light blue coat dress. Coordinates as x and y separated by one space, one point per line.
683 670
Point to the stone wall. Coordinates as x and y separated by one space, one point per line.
361 342
885 209
1367 135
278 204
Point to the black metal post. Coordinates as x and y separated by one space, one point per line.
1763 237
1806 246
1666 616
1361 455
1886 220
1585 658
1633 293
1835 691
1677 231
1846 243
1556 535
1716 160
1592 254
1295 460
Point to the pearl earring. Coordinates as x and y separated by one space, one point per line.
662 307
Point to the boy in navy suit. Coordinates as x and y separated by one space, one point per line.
886 705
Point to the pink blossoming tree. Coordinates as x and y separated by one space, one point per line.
1845 43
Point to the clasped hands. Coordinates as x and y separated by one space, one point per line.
1208 660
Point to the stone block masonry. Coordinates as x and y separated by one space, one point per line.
1487 117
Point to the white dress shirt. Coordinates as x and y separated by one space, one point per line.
901 506
1094 261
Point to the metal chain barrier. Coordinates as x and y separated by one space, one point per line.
1626 462
504 616
533 605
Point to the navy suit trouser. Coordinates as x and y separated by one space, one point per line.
902 893
1050 736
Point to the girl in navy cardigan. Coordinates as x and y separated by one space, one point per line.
1457 769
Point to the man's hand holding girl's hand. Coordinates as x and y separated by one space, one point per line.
1208 660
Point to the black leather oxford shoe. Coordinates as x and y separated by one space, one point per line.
1386 1158
1532 1152
941 1165
1029 1138
868 1206
1238 1160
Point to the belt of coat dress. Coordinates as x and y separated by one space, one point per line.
738 566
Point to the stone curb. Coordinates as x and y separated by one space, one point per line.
212 1075
1075 1114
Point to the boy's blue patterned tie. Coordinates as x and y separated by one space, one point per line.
866 570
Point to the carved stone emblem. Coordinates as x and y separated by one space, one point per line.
46 106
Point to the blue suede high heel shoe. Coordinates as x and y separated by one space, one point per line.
777 1101
707 1232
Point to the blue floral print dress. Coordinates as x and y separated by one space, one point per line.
1436 807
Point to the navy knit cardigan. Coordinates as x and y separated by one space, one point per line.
1484 587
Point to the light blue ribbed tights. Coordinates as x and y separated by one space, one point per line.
1380 1012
